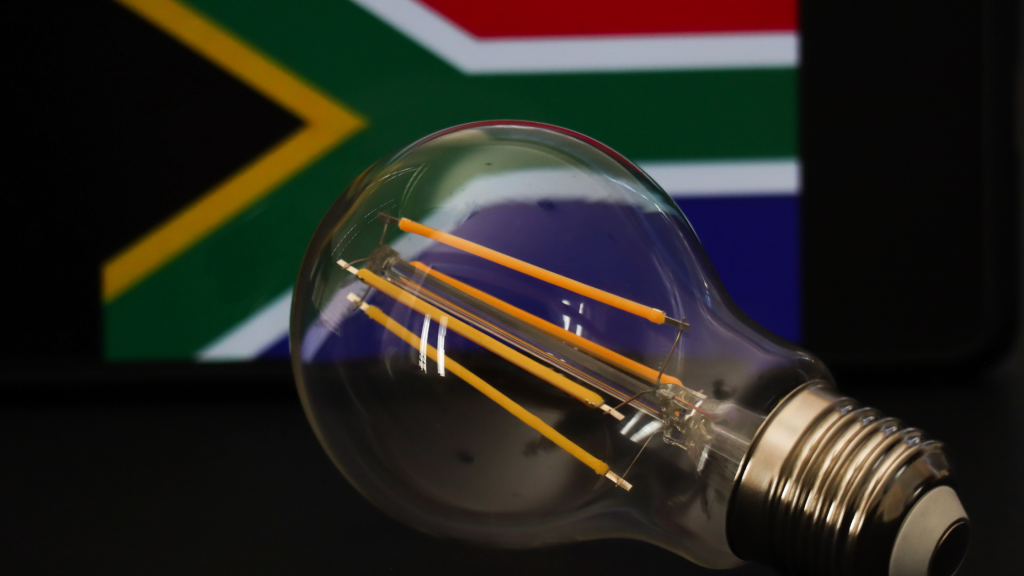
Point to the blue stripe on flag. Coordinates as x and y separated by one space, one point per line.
754 244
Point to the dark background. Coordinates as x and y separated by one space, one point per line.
910 201
910 211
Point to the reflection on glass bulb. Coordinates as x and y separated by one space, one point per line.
492 315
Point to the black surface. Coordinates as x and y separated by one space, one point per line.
118 480
909 200
116 127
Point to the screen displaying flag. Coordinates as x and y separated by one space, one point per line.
702 95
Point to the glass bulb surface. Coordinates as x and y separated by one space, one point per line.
495 324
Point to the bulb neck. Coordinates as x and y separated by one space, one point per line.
828 488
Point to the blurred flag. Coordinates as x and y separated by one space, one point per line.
701 94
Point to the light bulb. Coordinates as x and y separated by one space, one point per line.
507 333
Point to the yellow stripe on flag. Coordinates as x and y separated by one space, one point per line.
327 124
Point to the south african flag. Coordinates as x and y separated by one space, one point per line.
702 95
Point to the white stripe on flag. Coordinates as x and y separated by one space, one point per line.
254 335
726 178
472 56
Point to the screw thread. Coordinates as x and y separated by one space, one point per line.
826 485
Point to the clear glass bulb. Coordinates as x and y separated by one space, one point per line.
508 333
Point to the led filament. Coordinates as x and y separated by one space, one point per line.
434 295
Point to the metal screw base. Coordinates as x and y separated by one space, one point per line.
827 484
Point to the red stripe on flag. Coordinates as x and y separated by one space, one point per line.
533 18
